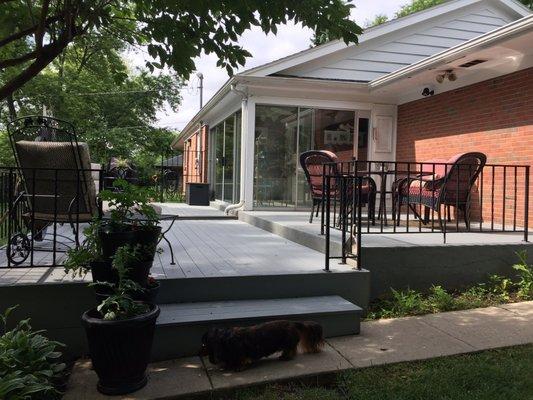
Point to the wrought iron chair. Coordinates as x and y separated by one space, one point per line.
312 163
57 185
449 184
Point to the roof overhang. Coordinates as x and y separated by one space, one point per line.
520 28
292 85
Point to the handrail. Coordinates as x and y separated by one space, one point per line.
422 197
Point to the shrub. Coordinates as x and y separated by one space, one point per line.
28 363
440 300
525 273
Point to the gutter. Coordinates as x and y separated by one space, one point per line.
233 208
504 32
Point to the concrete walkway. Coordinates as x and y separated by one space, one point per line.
380 342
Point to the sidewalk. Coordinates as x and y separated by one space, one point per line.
380 342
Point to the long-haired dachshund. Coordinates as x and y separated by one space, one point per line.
236 348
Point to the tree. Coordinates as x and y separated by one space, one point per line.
415 6
378 20
112 106
174 32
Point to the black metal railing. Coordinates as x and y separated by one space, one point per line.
43 211
413 197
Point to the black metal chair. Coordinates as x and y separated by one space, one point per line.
57 185
312 163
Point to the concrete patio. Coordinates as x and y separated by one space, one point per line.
380 342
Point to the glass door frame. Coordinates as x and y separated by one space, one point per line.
298 168
220 129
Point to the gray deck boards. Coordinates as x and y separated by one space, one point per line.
202 248
185 313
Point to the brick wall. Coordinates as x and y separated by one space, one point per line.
494 117
195 157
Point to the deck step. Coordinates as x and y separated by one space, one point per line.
180 326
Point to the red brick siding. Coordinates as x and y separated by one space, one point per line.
494 117
194 161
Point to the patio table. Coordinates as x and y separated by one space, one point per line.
162 217
382 211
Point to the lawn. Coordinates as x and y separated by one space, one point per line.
490 375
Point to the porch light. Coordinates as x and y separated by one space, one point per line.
448 74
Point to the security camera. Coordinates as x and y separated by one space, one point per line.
428 92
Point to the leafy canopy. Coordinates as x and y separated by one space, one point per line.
112 105
174 33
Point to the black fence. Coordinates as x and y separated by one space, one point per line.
43 211
369 197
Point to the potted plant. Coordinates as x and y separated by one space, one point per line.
127 257
131 221
120 332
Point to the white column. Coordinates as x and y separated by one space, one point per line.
247 153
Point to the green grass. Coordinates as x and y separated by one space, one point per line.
490 375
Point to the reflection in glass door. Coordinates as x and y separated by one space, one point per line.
226 141
218 140
281 135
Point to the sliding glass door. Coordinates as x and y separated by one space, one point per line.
226 139
281 135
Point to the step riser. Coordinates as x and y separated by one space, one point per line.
353 286
185 340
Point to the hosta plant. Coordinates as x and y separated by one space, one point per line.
29 366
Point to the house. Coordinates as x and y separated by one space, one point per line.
452 78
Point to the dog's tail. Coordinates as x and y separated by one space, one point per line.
311 336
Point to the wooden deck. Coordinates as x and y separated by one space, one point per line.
204 247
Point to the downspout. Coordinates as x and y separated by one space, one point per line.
234 208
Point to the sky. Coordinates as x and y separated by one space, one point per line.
290 39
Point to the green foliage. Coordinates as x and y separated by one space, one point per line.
498 290
174 33
128 199
416 6
28 363
440 300
525 273
378 20
120 304
79 258
408 302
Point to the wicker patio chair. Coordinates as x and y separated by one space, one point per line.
57 184
312 164
448 184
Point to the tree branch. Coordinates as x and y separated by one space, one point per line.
47 55
26 32
39 33
18 60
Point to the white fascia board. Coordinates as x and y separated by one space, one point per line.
369 34
499 34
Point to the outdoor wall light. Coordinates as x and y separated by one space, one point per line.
448 74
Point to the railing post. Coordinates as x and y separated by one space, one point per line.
323 199
526 206
328 199
359 181
343 209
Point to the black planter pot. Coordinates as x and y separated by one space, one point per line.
149 295
102 271
120 350
146 237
